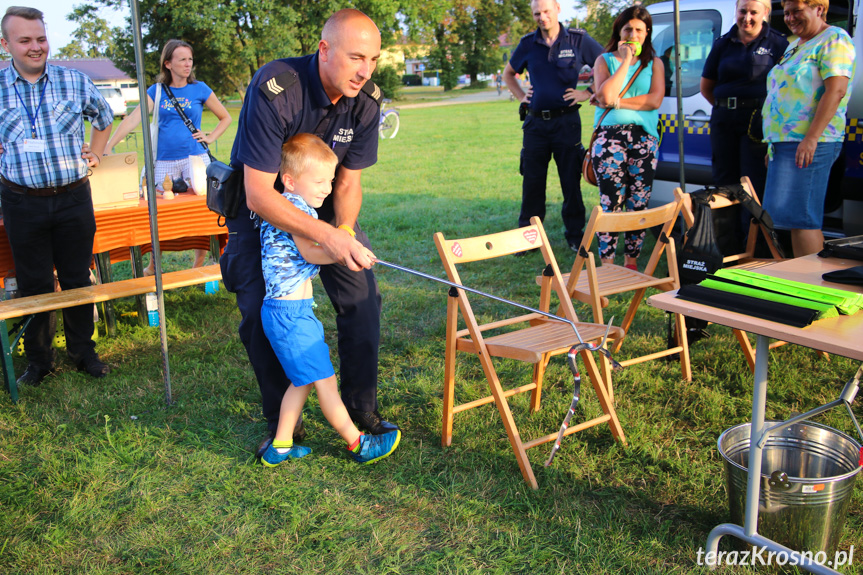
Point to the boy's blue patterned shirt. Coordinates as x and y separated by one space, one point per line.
284 268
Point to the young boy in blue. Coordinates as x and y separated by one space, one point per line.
289 265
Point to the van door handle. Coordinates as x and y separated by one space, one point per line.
697 118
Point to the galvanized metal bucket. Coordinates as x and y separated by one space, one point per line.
808 474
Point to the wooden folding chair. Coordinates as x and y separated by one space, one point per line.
536 340
745 259
592 284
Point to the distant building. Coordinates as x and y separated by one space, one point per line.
102 71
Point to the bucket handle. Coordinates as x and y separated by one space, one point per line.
849 392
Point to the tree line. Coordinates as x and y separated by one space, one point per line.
233 38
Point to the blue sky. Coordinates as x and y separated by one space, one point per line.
60 30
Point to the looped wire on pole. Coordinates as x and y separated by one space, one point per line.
570 356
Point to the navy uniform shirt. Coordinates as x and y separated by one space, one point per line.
285 98
740 70
554 69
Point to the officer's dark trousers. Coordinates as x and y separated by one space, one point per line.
354 296
735 154
558 138
47 233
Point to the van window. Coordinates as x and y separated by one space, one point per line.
110 92
698 30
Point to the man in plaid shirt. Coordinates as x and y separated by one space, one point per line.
45 194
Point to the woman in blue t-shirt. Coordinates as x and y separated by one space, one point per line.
176 143
624 152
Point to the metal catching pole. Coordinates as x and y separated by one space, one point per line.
588 347
678 85
570 356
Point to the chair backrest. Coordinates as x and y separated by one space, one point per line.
719 201
617 222
461 251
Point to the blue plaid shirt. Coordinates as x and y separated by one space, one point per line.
69 97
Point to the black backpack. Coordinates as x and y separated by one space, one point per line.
701 253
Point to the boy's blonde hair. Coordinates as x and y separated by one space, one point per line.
302 151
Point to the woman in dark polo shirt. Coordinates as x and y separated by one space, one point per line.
734 81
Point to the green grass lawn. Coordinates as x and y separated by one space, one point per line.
100 477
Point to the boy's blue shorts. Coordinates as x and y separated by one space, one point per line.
297 338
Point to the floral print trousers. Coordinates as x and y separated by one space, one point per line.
624 159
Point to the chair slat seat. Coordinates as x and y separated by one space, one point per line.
592 284
531 343
614 279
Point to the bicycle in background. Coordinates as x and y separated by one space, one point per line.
389 125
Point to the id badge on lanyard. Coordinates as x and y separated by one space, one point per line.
33 144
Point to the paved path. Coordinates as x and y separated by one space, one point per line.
471 97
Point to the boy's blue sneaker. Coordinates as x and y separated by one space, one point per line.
376 447
272 457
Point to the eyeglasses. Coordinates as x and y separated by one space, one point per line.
788 55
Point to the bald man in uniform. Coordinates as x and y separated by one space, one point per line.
328 94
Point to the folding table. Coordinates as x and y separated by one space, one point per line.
839 335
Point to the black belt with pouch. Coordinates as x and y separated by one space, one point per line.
550 114
735 103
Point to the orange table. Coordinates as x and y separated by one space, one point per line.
123 233
184 223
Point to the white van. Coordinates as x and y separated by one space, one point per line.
129 90
115 99
701 23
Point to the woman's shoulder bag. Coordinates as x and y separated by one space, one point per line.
224 183
587 164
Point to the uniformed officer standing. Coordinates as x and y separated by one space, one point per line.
328 94
734 81
553 56
47 207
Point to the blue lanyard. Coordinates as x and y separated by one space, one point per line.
26 109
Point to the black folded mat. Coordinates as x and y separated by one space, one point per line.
762 309
851 276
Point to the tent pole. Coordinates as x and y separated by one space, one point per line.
679 88
151 193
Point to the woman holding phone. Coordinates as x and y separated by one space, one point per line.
627 137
